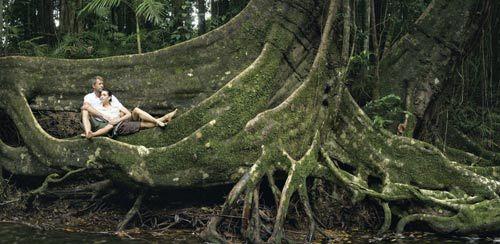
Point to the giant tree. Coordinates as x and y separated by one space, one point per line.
263 96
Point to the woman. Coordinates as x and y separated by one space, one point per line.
119 118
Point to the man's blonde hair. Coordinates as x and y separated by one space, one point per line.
93 80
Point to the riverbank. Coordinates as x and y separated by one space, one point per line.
69 213
171 215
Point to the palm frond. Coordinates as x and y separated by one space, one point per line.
98 6
151 10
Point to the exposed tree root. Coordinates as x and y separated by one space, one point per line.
276 191
52 178
131 213
92 190
2 184
471 146
387 217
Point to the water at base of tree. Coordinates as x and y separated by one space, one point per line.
18 233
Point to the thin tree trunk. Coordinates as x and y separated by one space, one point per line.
219 8
64 17
122 19
1 28
177 13
376 85
383 30
69 22
138 34
1 169
181 18
347 30
46 25
130 20
366 27
201 16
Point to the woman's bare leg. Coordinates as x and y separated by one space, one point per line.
146 125
101 131
168 117
142 115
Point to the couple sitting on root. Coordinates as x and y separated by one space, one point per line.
102 114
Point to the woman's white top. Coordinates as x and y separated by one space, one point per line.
95 102
112 111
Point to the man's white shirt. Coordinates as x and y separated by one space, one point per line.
95 102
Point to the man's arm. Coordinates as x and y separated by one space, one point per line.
94 112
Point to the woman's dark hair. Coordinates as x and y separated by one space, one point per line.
110 94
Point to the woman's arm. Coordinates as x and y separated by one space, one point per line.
126 114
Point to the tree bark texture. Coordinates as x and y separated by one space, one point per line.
69 23
257 96
346 33
366 25
45 19
1 28
202 9
417 66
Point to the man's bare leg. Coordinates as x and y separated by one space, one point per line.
101 131
86 123
138 113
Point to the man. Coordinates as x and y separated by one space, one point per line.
91 117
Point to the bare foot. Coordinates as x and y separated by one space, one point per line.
84 134
159 123
168 117
89 134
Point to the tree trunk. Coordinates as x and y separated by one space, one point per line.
219 8
138 34
375 41
257 96
1 28
177 12
366 25
201 16
45 20
409 65
69 22
346 33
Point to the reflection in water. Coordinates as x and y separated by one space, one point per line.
17 233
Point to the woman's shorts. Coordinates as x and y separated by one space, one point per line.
126 127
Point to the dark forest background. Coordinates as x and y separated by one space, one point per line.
99 28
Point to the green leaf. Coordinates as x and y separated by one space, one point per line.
151 10
98 6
